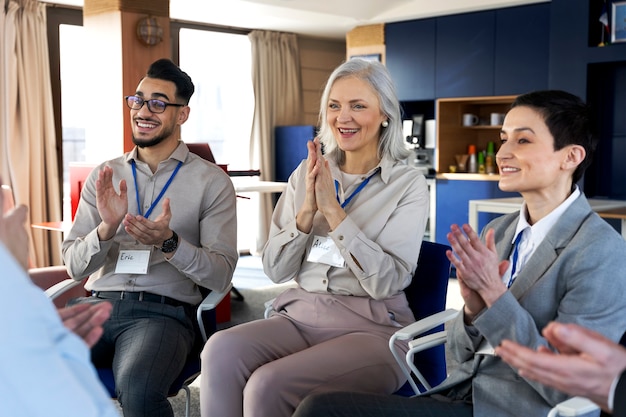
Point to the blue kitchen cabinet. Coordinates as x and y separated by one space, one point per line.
471 54
522 56
410 58
290 148
464 55
453 198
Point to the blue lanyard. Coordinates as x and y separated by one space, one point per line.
155 202
355 192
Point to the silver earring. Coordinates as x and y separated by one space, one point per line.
385 123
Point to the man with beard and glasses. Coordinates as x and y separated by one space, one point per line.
153 226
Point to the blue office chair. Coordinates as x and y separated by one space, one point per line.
427 296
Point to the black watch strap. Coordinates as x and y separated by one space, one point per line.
170 245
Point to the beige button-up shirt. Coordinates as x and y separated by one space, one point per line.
202 202
380 238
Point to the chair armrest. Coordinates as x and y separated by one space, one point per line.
410 332
268 308
210 302
428 341
576 406
425 324
418 345
61 287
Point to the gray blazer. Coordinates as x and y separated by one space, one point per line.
576 275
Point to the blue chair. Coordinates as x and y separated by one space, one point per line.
207 325
427 296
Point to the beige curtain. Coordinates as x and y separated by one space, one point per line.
28 155
278 101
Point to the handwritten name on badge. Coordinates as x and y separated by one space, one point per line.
133 261
319 244
126 256
323 250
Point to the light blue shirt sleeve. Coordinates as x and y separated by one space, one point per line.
45 370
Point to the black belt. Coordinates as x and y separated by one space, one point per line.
139 296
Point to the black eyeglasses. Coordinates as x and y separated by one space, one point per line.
154 105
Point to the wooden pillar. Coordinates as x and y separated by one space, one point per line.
115 62
366 40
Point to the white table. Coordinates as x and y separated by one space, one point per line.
605 208
251 185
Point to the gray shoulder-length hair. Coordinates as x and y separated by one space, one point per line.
376 75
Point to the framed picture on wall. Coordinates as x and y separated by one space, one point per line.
369 57
618 22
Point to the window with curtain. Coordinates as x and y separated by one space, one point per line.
222 107
223 104
71 45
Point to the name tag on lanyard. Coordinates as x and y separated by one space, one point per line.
133 258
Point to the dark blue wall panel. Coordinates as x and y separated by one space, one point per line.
290 148
465 55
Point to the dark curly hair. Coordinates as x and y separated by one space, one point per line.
165 69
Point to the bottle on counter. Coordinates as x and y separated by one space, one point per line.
472 163
490 159
481 162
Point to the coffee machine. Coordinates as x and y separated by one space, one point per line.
415 139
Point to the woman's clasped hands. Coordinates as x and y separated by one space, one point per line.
320 191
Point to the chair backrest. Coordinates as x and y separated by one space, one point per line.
203 150
78 173
427 295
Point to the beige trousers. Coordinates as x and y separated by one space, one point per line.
315 343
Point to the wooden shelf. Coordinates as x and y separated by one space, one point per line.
481 127
454 139
468 177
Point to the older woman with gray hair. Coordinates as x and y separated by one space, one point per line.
347 230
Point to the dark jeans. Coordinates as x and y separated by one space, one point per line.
347 404
146 344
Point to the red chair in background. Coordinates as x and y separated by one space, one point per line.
8 203
203 150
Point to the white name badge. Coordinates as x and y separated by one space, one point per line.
324 251
133 259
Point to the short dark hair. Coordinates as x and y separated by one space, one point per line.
165 69
568 120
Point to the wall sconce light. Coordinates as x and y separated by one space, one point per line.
148 31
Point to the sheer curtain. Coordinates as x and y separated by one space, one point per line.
277 101
28 156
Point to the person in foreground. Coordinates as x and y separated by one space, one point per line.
554 260
152 226
45 368
587 364
347 230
